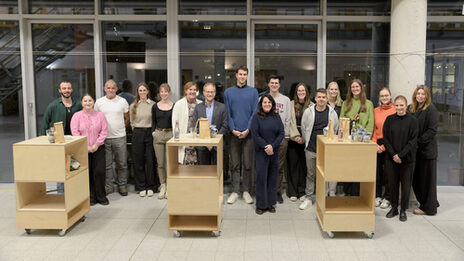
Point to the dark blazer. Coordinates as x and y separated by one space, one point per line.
428 125
220 117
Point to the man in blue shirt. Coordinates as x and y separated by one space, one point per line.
242 102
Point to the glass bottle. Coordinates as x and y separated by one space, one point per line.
176 131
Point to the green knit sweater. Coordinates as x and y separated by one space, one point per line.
366 119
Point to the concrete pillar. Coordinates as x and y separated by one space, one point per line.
407 46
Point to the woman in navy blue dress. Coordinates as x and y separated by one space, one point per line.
267 131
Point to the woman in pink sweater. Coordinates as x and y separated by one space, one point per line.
384 110
92 124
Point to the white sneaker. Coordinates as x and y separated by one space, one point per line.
143 193
150 193
162 192
293 199
306 204
332 194
232 198
302 198
385 204
246 196
378 201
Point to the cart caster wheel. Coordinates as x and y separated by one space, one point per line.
28 231
62 232
82 219
330 234
369 234
176 233
216 233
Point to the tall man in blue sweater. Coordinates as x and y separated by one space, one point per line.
242 103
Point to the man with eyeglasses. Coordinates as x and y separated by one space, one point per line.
217 115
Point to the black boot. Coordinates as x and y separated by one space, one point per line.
403 216
393 212
279 198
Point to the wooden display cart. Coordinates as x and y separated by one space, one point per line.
195 191
36 161
346 162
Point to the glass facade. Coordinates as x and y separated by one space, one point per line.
9 7
136 7
291 7
218 7
358 7
61 7
445 7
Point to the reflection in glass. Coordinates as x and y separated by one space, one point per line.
445 7
9 7
358 50
62 52
358 7
445 76
11 116
291 7
140 7
135 51
61 7
218 7
211 52
288 50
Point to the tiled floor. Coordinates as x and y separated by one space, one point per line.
133 228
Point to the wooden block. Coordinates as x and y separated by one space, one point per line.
193 223
351 222
76 190
59 132
41 220
193 196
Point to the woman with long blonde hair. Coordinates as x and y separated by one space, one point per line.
335 99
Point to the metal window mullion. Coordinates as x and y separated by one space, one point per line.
132 17
173 57
445 19
212 17
322 56
250 43
98 59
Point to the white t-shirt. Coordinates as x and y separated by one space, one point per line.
114 110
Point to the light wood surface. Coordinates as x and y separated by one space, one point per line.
197 171
48 202
189 140
193 223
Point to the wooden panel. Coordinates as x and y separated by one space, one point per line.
193 196
186 140
41 220
194 223
76 190
78 212
195 171
354 222
321 189
39 163
171 159
26 192
47 202
320 157
347 205
367 192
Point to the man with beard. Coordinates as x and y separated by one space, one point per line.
61 109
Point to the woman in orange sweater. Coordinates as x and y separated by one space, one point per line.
384 110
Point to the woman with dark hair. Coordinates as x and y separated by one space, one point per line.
359 110
296 160
424 180
267 132
399 139
381 113
142 141
92 124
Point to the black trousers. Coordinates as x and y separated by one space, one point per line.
207 157
267 172
381 180
296 175
97 175
425 184
143 158
399 174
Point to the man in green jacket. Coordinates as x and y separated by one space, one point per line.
61 109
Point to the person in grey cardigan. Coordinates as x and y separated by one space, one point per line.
216 113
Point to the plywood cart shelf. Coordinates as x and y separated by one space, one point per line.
36 162
346 162
195 192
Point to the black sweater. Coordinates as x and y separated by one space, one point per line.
426 137
400 137
269 130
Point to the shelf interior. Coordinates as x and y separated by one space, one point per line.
194 171
47 202
347 205
199 223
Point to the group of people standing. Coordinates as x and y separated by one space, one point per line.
266 130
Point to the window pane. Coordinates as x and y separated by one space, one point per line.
359 7
288 50
61 7
445 76
62 52
211 51
11 115
218 7
142 7
291 7
358 50
135 51
445 7
9 7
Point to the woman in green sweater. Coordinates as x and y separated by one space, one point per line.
360 110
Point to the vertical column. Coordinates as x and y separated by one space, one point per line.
407 46
173 49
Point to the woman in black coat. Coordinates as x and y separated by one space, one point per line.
425 173
267 132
